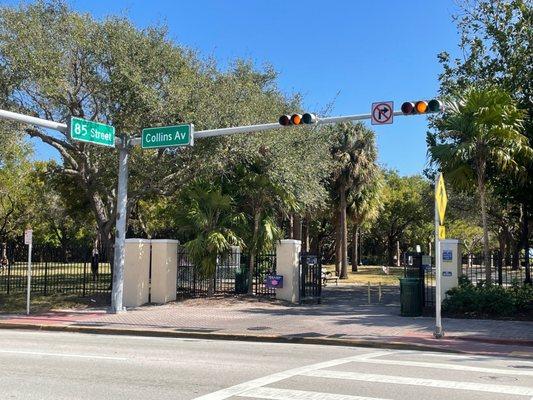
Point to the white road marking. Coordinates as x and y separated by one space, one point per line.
279 376
287 394
400 380
38 353
466 368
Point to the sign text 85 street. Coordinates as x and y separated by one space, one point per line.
92 132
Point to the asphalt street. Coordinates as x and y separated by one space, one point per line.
49 365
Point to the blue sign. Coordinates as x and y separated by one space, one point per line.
446 273
274 281
447 255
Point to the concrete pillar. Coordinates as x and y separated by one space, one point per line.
288 265
136 272
451 262
164 270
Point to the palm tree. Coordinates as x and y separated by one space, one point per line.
260 198
363 207
355 153
480 132
209 218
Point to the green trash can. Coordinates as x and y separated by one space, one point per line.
411 297
241 281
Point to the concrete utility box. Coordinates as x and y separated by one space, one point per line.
164 270
288 265
451 259
136 272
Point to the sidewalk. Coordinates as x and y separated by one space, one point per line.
343 318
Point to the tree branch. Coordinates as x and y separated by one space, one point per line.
59 145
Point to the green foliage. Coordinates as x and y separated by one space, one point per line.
55 63
406 215
208 218
485 300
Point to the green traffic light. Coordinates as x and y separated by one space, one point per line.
435 105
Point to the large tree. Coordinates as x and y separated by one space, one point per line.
355 154
479 132
56 63
495 46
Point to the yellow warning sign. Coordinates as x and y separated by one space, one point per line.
441 198
442 232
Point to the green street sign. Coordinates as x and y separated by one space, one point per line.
92 132
167 136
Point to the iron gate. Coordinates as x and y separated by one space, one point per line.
310 278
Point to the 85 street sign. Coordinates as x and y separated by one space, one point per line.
92 132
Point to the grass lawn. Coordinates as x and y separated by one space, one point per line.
16 302
372 274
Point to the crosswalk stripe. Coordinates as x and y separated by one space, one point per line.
400 380
288 394
466 368
279 376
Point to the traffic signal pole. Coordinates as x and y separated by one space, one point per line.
123 144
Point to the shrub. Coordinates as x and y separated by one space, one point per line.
487 300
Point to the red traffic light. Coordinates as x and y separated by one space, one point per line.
408 107
285 120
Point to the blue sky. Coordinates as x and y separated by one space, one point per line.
351 53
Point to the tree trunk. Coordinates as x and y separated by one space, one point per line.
338 239
344 235
390 250
486 251
297 226
291 226
253 252
355 247
305 235
525 241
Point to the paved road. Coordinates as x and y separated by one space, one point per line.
48 365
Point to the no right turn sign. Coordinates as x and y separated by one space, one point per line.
382 113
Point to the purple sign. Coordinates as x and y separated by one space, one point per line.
274 281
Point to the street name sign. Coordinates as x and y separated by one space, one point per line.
167 136
92 132
382 113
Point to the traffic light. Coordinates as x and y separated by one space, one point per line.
422 107
298 119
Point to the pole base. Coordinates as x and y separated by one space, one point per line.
112 310
439 333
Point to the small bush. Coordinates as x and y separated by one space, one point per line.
487 300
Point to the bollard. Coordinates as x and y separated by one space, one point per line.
368 292
379 292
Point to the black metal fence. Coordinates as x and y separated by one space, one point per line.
70 270
503 273
310 278
231 275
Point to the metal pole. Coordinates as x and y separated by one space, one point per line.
439 332
120 238
58 126
28 291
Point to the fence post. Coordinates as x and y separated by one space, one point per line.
500 270
8 276
84 276
45 278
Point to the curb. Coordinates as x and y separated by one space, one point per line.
233 336
482 339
